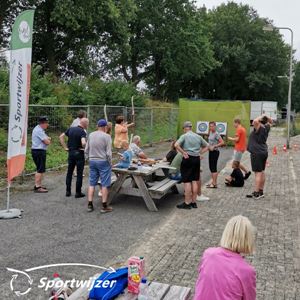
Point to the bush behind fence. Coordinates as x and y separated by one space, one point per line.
153 124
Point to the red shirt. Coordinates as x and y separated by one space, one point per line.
241 145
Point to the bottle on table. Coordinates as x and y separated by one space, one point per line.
143 294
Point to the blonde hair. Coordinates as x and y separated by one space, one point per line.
239 235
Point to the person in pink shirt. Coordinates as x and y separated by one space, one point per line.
223 272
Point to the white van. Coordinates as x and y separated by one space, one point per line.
268 108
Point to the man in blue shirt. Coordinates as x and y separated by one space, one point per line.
40 141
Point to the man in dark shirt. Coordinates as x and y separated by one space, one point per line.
258 148
76 144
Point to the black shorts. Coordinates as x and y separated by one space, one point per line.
258 161
213 157
39 158
190 169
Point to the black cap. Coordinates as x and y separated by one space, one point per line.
43 119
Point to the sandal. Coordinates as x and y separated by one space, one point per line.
40 189
211 186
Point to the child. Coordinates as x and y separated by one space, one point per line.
125 157
236 178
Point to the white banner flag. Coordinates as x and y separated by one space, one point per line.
19 87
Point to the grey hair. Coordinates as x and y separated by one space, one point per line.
136 139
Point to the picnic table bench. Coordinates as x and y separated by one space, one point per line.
140 184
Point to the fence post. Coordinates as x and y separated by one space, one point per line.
125 113
88 112
151 127
171 123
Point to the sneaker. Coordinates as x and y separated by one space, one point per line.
68 193
184 206
194 205
202 198
247 175
79 195
261 193
255 195
250 195
90 207
106 209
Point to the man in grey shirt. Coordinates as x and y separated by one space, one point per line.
98 150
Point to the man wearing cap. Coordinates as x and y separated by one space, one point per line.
76 144
40 141
98 150
189 145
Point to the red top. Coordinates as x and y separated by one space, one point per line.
241 145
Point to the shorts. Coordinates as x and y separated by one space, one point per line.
190 169
213 157
258 161
237 155
100 169
39 158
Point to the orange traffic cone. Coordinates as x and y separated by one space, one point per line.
275 150
284 148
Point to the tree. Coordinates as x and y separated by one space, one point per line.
251 59
67 33
164 44
296 88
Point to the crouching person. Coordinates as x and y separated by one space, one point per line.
98 150
236 178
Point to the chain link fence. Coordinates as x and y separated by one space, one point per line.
154 125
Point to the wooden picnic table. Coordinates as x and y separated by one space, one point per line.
161 291
140 180
156 290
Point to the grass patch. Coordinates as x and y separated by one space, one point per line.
56 156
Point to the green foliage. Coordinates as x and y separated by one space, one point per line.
88 91
296 88
4 85
251 59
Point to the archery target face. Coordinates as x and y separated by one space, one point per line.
202 127
221 128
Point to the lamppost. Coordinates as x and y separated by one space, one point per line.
290 77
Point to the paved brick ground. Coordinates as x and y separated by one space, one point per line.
174 249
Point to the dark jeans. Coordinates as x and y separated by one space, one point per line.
76 158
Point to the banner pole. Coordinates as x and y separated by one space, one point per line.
10 213
8 197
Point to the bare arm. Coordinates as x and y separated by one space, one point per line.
62 141
47 141
179 149
130 125
83 142
234 139
142 155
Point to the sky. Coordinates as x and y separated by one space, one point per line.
284 13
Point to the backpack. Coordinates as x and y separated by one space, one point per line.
109 285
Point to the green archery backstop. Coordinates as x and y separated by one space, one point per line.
218 111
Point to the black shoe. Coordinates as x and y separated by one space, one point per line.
194 205
261 193
184 206
247 175
90 207
255 195
68 193
250 195
79 195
